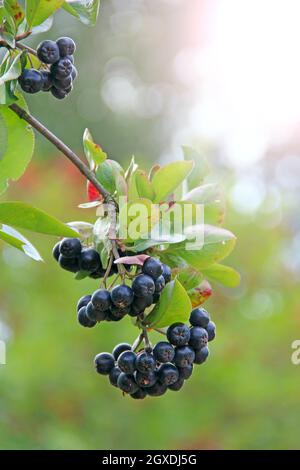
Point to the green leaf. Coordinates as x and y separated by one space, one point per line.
43 27
16 146
201 168
15 239
85 10
211 196
189 277
15 10
37 11
106 174
169 177
93 152
131 183
81 275
22 215
143 185
199 294
141 245
136 219
13 69
174 306
225 275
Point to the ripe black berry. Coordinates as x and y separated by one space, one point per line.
140 394
94 314
157 389
184 356
97 274
185 372
167 273
211 331
101 299
168 374
116 313
143 285
59 94
198 337
47 81
127 383
114 375
63 84
164 352
104 362
31 81
145 380
126 362
152 267
119 349
83 301
145 363
177 385
71 58
69 264
70 247
89 260
156 297
122 296
66 46
55 251
48 52
84 320
159 284
201 355
199 317
178 334
62 69
140 303
74 73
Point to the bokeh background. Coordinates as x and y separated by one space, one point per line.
222 75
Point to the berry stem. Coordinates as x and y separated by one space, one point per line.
23 47
162 332
107 272
138 341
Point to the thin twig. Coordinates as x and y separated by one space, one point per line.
107 272
138 341
24 47
114 281
162 332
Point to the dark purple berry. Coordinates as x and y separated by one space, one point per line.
164 352
70 247
157 389
167 273
198 337
159 284
62 69
201 355
63 84
143 285
114 375
177 385
48 52
168 374
66 46
83 301
185 372
145 380
127 383
31 81
69 264
47 81
178 334
55 251
104 363
101 299
152 267
199 317
211 331
89 260
84 320
145 362
94 314
126 362
122 296
119 349
140 394
59 94
184 356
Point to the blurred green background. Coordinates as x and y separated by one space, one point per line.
154 76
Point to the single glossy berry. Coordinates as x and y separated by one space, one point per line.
98 273
211 331
143 285
201 355
116 313
70 247
114 375
145 363
127 383
145 380
157 389
122 296
69 264
199 317
83 301
89 260
159 284
47 80
66 46
140 394
139 304
63 84
163 352
104 363
55 251
198 337
167 273
94 314
84 320
59 94
48 52
119 349
152 267
69 89
101 299
74 73
184 356
177 385
31 81
185 372
156 297
178 334
168 374
126 362
71 58
62 69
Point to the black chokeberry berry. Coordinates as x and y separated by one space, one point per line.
201 355
140 303
178 334
97 274
168 374
101 299
62 69
159 284
157 389
156 297
66 46
198 337
127 383
211 331
177 385
47 80
55 251
143 285
83 301
140 394
114 375
184 356
63 84
145 380
89 260
31 81
84 320
167 273
119 349
59 94
152 267
69 264
185 372
163 352
94 314
48 52
71 58
122 296
104 363
199 317
70 247
116 313
74 73
145 362
126 362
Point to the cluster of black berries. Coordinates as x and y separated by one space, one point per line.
72 256
124 300
59 79
167 366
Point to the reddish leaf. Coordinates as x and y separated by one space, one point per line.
200 294
93 193
138 259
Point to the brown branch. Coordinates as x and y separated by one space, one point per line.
23 47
